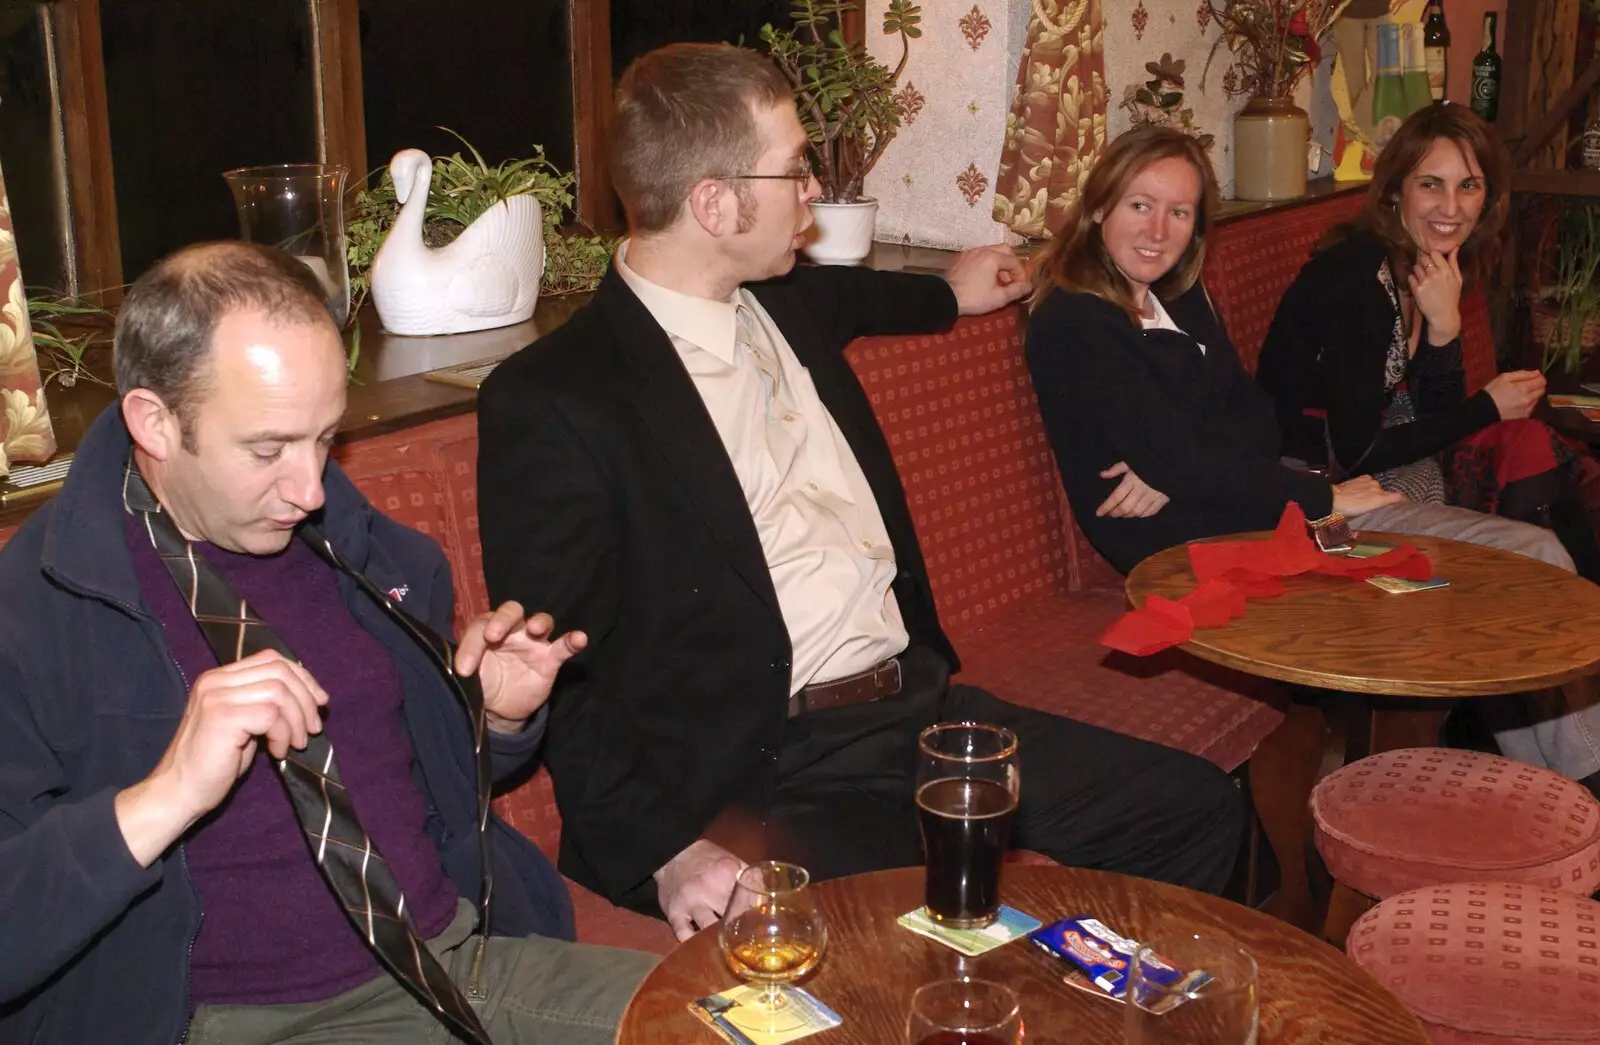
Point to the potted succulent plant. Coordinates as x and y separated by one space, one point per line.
846 101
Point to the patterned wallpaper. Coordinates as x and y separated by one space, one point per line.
25 432
936 182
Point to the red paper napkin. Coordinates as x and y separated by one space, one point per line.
1230 572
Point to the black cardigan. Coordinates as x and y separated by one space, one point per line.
1193 425
1327 349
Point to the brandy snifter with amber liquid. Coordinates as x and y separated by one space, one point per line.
775 934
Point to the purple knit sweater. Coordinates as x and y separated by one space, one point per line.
272 932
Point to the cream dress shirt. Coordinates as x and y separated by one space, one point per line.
820 529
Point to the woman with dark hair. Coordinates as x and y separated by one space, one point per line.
1364 359
1160 435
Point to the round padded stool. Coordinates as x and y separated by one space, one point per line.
1496 963
1425 816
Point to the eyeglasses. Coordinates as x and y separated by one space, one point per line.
801 174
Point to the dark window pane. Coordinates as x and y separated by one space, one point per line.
638 26
195 87
497 73
29 146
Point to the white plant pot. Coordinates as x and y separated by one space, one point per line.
843 234
487 277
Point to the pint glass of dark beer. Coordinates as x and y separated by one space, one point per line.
967 787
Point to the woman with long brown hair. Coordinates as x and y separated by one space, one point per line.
1364 358
1160 435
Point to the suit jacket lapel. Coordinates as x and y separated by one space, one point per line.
672 409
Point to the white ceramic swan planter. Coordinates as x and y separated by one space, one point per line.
488 277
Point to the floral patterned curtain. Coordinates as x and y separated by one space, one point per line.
1057 126
25 433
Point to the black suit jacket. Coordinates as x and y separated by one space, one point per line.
607 499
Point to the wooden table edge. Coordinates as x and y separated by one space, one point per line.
1379 687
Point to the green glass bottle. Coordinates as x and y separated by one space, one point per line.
1486 73
1414 69
1388 92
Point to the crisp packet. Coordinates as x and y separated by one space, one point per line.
1104 957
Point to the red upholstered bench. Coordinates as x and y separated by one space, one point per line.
1020 592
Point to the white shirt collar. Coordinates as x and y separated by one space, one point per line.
705 323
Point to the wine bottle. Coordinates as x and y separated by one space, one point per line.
1486 73
1388 92
1436 46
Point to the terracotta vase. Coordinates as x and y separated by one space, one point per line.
1269 150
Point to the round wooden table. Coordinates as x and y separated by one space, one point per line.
1310 993
1505 624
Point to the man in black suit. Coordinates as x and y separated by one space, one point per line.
689 472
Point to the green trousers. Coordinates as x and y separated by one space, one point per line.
538 990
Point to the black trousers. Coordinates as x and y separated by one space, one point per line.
845 801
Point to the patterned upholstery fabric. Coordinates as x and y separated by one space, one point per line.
1418 817
1250 263
1488 963
963 424
1044 656
426 477
1477 340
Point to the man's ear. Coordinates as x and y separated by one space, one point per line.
709 201
154 428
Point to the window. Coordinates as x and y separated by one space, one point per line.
119 116
499 74
194 88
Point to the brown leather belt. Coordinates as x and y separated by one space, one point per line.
881 680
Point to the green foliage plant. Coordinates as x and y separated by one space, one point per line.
62 356
845 98
1574 297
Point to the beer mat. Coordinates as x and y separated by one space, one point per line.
1575 402
1009 924
736 1016
1368 550
1591 386
1400 586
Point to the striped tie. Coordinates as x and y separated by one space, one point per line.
348 857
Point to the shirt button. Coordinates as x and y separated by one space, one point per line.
811 486
780 664
867 545
769 755
788 417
